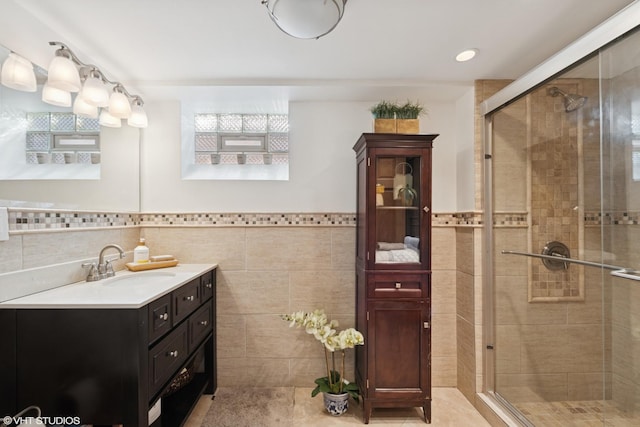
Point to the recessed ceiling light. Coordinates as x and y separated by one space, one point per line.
466 55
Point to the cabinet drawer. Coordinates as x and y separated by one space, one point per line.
398 286
200 324
207 283
186 300
166 357
159 317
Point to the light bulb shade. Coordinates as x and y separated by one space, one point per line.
108 120
95 92
81 108
306 19
138 118
17 73
119 105
63 74
55 96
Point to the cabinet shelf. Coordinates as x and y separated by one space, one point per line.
405 208
181 403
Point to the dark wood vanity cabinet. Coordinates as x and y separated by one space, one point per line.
108 366
393 271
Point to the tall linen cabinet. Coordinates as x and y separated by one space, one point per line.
393 271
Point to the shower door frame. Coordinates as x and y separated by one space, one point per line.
616 26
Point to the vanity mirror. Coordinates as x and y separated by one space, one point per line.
53 158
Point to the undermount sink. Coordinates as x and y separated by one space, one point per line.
138 279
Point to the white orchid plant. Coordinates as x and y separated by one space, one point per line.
317 324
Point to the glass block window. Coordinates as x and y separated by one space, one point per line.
206 122
230 123
241 139
64 122
62 138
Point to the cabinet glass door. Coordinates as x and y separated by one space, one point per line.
397 221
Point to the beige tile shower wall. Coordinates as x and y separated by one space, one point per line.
483 89
555 155
267 271
443 307
545 350
465 309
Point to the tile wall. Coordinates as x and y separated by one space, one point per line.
269 264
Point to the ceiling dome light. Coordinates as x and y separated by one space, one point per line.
305 19
55 96
63 73
119 105
17 73
466 55
81 108
138 118
94 91
108 120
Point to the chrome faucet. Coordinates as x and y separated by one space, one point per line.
104 268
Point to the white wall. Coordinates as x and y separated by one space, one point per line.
322 163
465 153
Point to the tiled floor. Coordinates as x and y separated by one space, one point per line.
449 409
577 414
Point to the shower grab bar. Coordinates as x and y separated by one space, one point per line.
626 273
564 259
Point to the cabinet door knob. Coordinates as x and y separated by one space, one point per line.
164 316
189 298
398 285
208 285
426 209
173 353
204 323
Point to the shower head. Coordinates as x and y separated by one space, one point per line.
571 101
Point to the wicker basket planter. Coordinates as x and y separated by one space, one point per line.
384 125
408 126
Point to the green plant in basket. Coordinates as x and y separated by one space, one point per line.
384 110
409 110
316 324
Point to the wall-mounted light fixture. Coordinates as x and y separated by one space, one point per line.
17 73
306 19
67 73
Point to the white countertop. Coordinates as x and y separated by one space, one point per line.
127 289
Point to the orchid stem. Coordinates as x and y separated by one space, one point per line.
342 372
333 368
326 357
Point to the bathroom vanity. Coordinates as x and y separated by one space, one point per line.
108 351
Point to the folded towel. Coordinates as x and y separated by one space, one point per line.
386 246
411 242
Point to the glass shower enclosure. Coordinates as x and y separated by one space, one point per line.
564 200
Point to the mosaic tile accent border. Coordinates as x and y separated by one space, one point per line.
248 219
27 220
23 219
511 219
457 219
591 218
611 218
41 219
